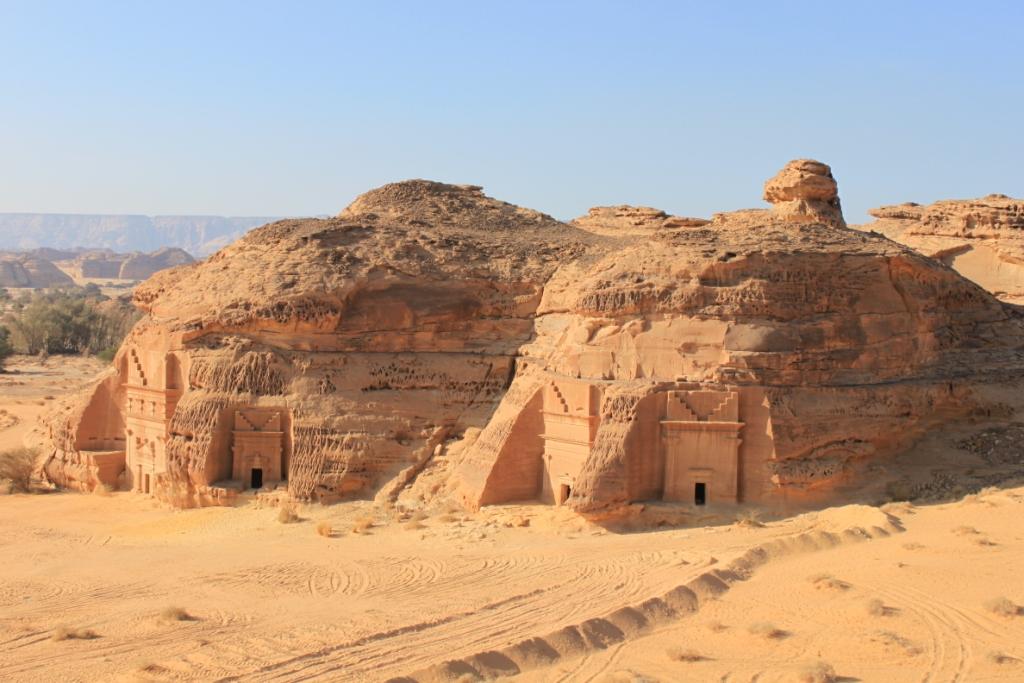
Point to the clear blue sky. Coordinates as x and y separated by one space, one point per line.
293 108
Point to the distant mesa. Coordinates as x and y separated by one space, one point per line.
431 340
198 235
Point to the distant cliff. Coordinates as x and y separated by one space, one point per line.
199 235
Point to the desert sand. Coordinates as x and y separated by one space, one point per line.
892 593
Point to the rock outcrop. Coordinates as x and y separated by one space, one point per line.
134 266
141 266
623 220
358 338
983 239
24 270
627 356
804 191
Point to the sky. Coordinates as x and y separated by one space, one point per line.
294 108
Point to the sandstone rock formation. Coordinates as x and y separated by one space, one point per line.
24 270
619 221
804 191
361 339
134 266
983 239
626 356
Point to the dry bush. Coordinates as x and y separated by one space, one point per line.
817 672
680 654
891 638
517 521
913 546
287 515
415 525
150 668
966 531
101 490
1003 607
363 525
324 528
749 518
986 542
828 581
176 614
768 630
997 657
418 516
447 518
876 608
68 633
717 626
765 629
17 466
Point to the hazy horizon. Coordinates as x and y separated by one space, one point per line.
268 109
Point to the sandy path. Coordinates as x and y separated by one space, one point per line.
934 582
278 602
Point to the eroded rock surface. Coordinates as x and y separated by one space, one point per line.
983 239
24 270
622 220
133 266
804 191
627 356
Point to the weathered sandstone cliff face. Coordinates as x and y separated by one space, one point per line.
24 270
330 354
627 356
983 239
134 266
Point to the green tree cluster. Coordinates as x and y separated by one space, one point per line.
6 348
69 321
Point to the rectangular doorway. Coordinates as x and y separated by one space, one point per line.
257 478
700 493
145 488
563 493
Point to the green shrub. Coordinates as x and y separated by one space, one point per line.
69 321
6 348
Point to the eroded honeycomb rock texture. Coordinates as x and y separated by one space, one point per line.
983 239
628 355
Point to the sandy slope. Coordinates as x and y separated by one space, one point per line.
557 600
29 386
